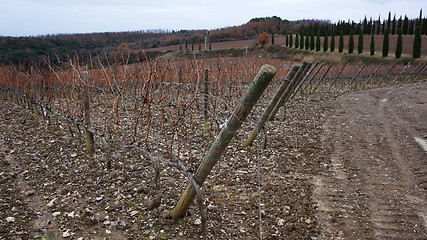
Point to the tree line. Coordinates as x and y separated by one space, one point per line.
309 37
60 47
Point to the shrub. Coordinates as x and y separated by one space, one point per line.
264 38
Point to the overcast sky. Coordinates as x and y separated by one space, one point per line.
38 17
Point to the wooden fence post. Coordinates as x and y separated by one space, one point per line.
423 69
357 75
271 105
228 131
371 75
88 135
306 78
320 80
413 71
311 79
336 77
206 102
403 70
389 70
288 91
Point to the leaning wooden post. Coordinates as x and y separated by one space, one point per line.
321 79
306 78
413 71
403 70
206 102
271 105
357 75
287 92
336 77
371 75
88 134
312 77
423 69
386 75
228 131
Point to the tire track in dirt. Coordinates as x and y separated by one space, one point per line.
375 185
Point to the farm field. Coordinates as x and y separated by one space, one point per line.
280 40
343 159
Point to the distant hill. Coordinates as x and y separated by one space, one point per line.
23 50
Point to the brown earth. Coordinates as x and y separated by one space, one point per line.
376 183
341 165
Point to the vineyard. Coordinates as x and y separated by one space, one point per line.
116 144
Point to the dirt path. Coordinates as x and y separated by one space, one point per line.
376 183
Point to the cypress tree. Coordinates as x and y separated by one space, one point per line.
272 39
399 44
307 42
393 25
399 23
379 25
411 27
365 25
424 27
383 27
405 25
389 22
290 40
296 41
312 41
372 44
318 41
325 43
192 46
369 30
210 46
373 27
416 51
186 45
385 44
301 45
351 42
341 43
360 43
200 46
287 40
333 42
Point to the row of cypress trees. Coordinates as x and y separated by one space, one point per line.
310 43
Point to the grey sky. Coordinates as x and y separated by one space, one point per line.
35 17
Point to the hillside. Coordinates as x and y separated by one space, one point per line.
58 48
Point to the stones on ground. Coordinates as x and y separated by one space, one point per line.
56 214
280 222
10 219
66 234
29 193
198 221
50 204
155 201
133 213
